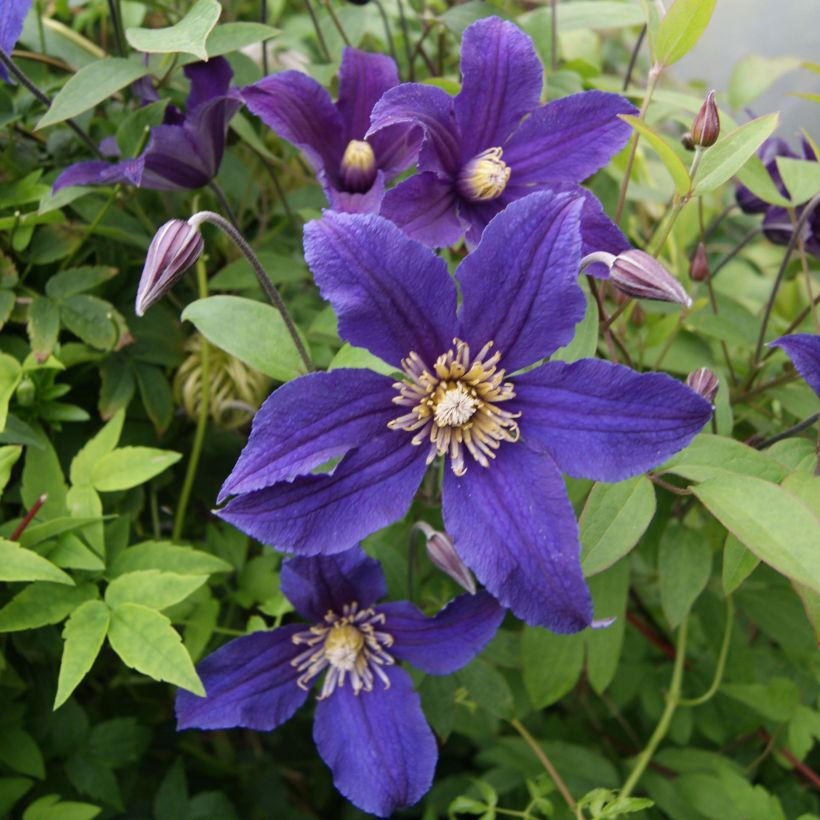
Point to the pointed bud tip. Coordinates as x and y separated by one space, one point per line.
639 275
699 266
706 126
704 383
442 554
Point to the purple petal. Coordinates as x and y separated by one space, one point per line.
11 26
249 683
513 525
345 202
520 285
299 110
372 487
604 421
307 422
431 109
95 172
363 79
208 80
396 148
568 140
446 642
804 350
208 126
377 744
315 585
475 216
391 294
502 79
424 207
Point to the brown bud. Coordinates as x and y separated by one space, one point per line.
641 276
687 142
704 383
699 266
706 127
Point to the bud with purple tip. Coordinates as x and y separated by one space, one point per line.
641 276
443 555
699 266
174 248
704 383
706 127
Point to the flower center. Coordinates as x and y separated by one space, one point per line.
485 176
347 646
455 406
358 168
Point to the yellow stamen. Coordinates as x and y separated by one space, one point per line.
358 167
485 176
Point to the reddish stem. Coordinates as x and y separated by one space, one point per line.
648 633
21 527
799 766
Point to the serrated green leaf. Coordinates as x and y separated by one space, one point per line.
801 178
91 319
43 603
9 455
37 533
167 557
684 566
145 640
681 28
77 280
614 517
83 634
775 525
42 475
20 564
252 331
129 467
550 664
672 162
43 326
10 373
152 588
189 35
82 465
156 395
91 85
72 553
118 386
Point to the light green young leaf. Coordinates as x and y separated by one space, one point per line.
681 28
145 640
10 373
167 557
776 526
43 603
684 566
614 517
550 664
9 456
672 162
753 75
51 807
189 35
20 564
234 36
83 634
70 552
95 448
738 564
152 588
359 357
129 467
252 331
91 85
758 180
801 177
730 153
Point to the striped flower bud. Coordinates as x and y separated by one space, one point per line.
704 383
699 266
706 127
641 276
443 555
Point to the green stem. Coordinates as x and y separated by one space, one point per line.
672 703
317 28
91 227
202 418
721 664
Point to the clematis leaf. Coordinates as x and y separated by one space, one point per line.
84 634
189 35
681 28
550 664
19 564
672 162
152 588
128 467
801 177
684 565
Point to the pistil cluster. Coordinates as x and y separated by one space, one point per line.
455 405
349 646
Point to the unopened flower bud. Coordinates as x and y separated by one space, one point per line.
174 248
706 127
641 276
443 555
704 383
687 142
699 266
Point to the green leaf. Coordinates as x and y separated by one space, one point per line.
77 280
37 533
776 701
730 153
42 475
359 357
118 385
710 456
19 751
167 557
51 807
71 553
82 465
684 566
671 161
129 467
234 36
777 527
550 664
42 603
585 341
9 455
20 564
801 177
753 75
10 373
189 35
613 519
738 564
152 588
91 319
43 326
145 640
132 131
609 591
156 395
83 634
91 85
487 687
11 790
681 28
252 331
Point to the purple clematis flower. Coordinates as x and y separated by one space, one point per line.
352 167
12 16
186 150
777 224
804 350
495 143
507 438
369 727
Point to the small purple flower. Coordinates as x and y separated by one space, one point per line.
12 16
369 727
777 224
507 438
804 350
186 150
352 167
478 155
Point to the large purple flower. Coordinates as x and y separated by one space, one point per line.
12 17
507 439
369 727
804 350
186 150
495 143
777 223
351 167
